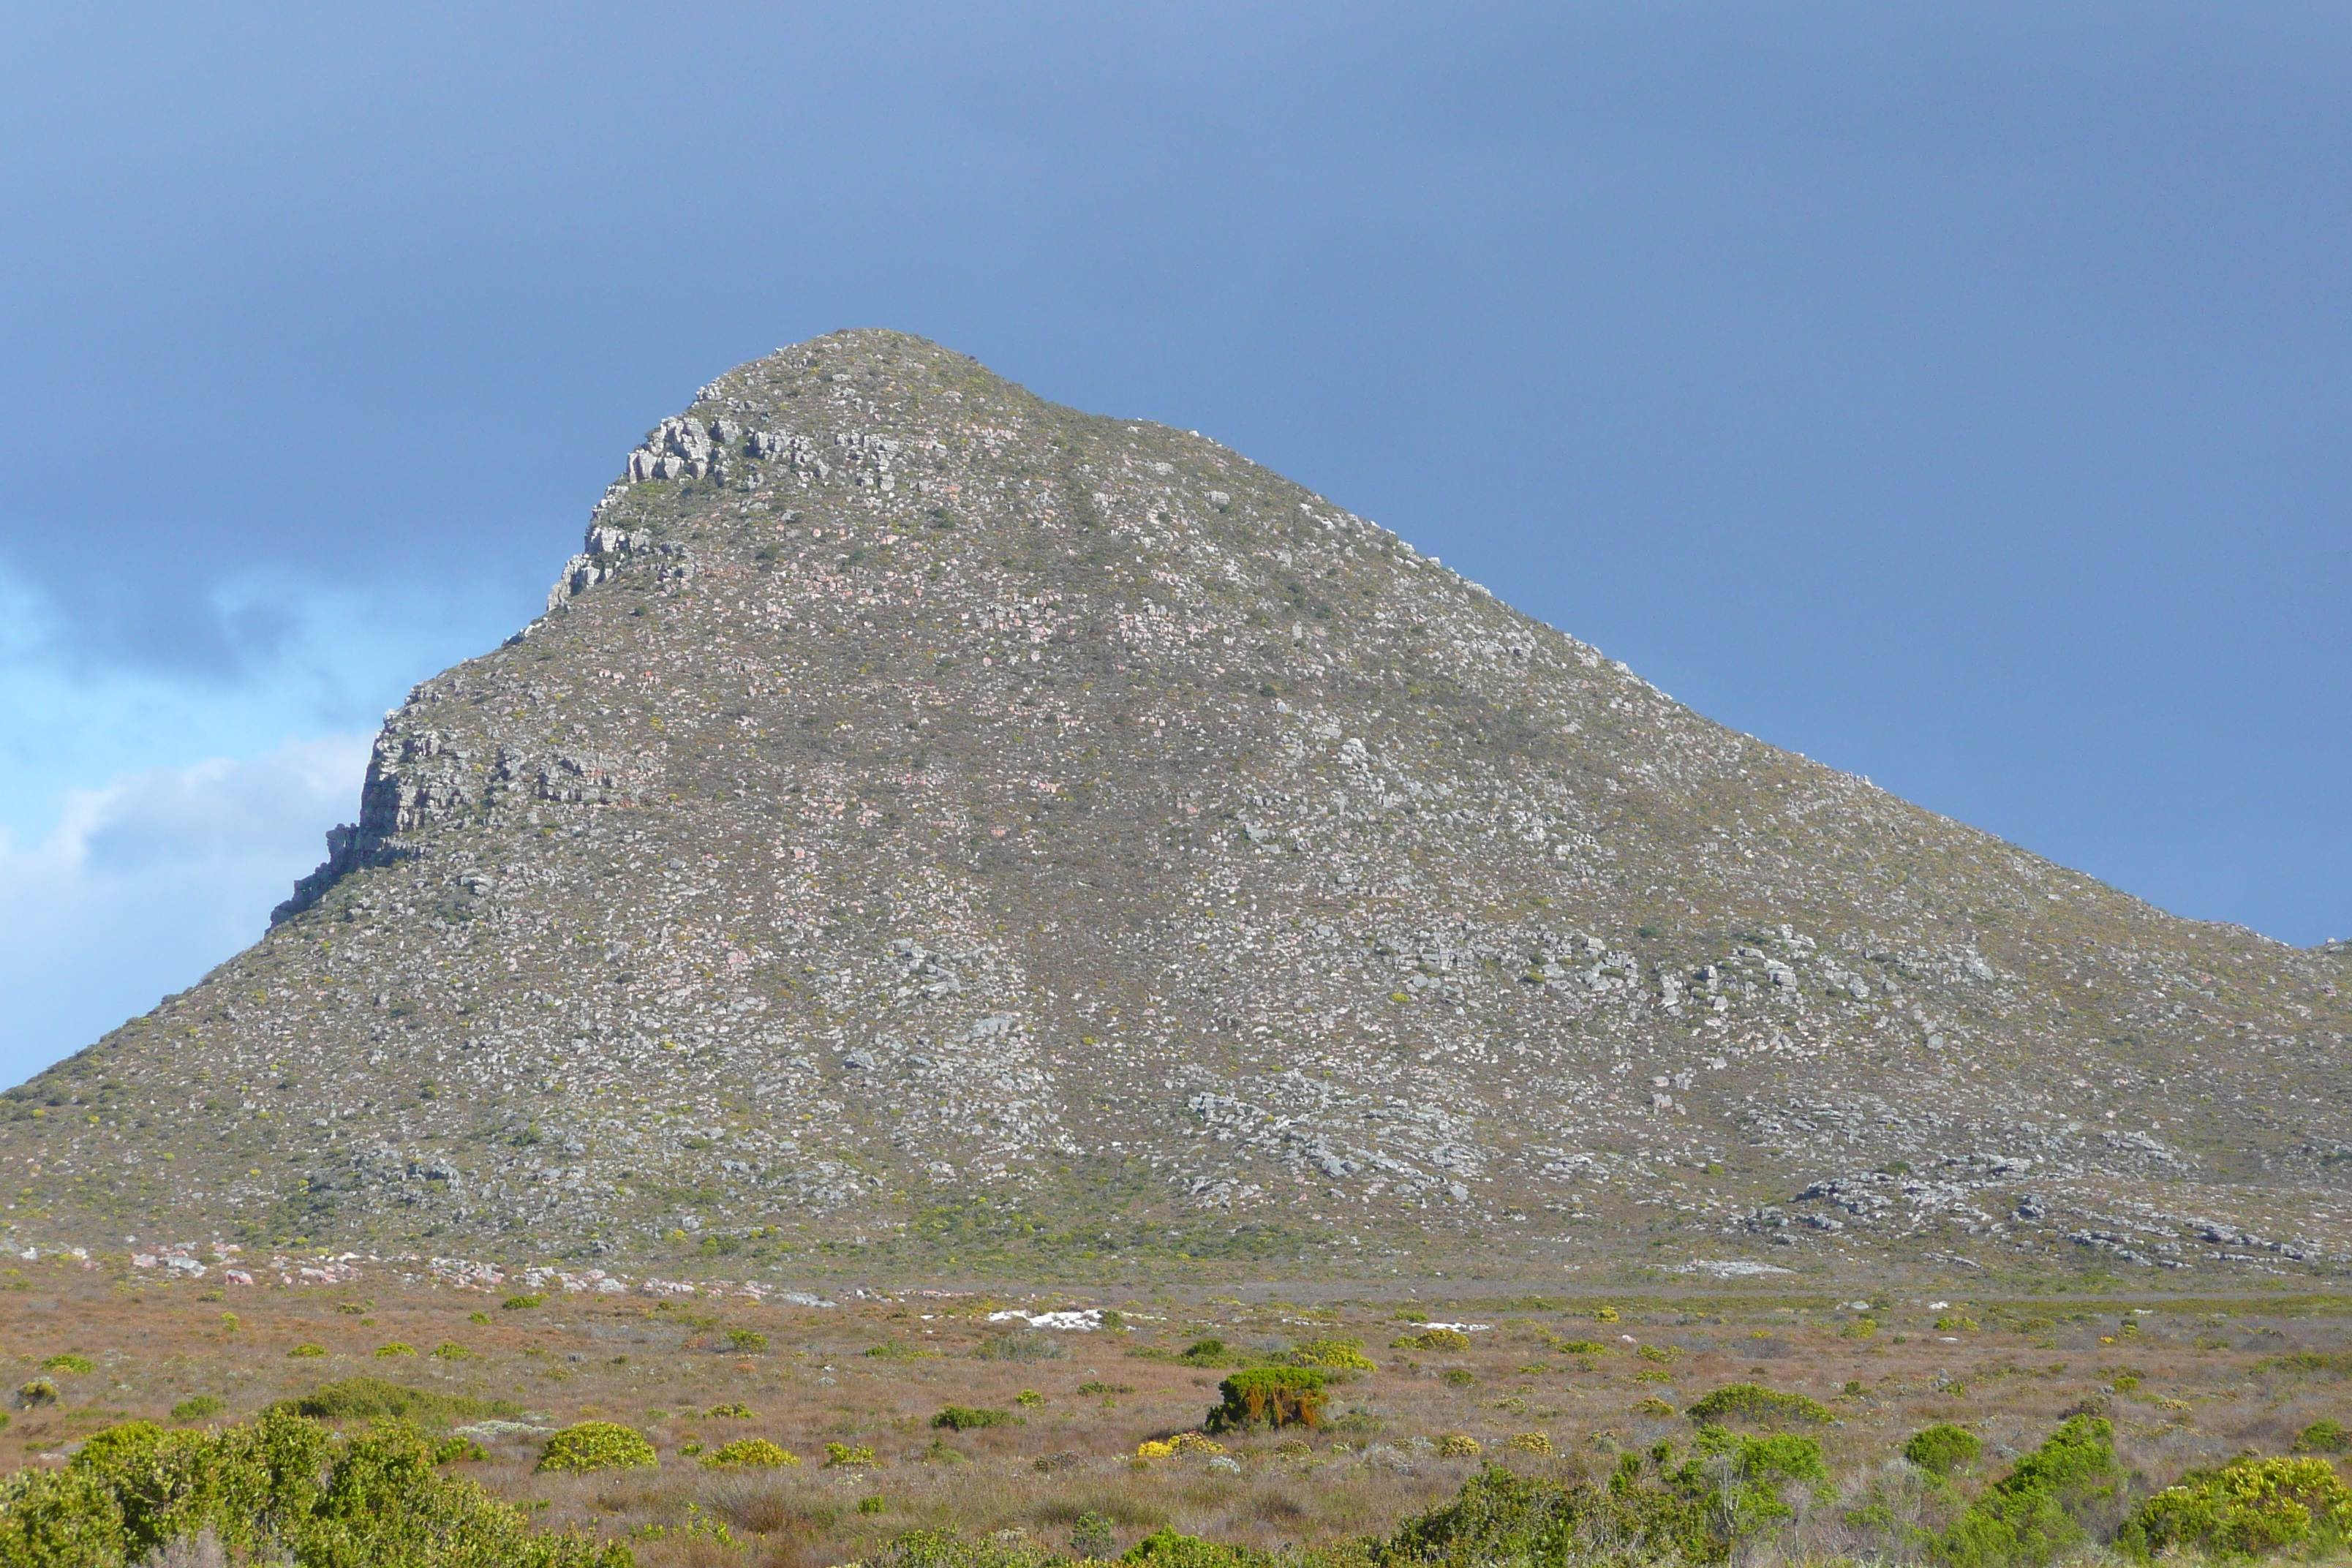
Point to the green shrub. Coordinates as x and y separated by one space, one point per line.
385 1353
750 1453
2325 1436
747 1342
307 1352
598 1446
1335 1355
522 1303
2041 1509
730 1413
450 1350
1093 1535
196 1406
40 1391
2247 1508
1432 1340
68 1361
1942 1448
1499 1517
1269 1397
2307 1360
280 1488
1579 1347
845 1455
69 1518
1743 1476
1030 1399
1206 1353
965 1419
373 1398
944 1549
1758 1406
874 1502
1165 1548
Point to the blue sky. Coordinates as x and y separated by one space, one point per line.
1956 395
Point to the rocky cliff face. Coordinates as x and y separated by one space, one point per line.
931 821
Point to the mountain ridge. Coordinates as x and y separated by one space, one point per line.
930 821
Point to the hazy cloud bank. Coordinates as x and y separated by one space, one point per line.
149 880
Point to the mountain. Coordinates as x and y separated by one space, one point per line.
931 828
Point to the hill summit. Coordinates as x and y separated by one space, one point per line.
943 830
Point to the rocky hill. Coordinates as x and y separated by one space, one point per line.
940 828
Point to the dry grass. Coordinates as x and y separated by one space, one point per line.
660 1368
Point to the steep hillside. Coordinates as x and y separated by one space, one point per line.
930 824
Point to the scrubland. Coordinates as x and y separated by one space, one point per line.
1038 1450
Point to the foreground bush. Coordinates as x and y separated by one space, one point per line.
1942 1448
1501 1517
1166 1548
2047 1506
2247 1507
282 1489
945 1549
1269 1397
598 1446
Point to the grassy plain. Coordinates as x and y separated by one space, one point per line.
2186 1384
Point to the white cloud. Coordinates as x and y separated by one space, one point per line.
149 881
113 897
